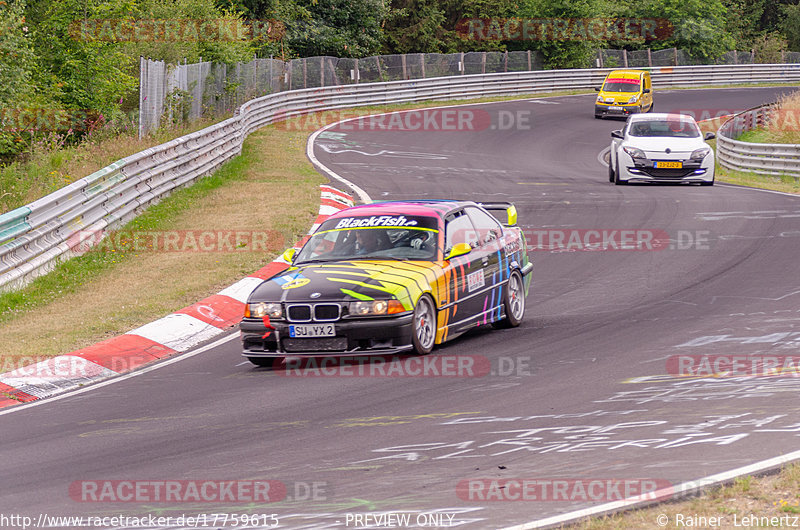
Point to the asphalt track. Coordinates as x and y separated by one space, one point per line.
580 391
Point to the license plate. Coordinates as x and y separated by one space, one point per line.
668 165
615 109
312 330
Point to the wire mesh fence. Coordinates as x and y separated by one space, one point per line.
170 94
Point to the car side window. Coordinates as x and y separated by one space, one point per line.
459 229
489 229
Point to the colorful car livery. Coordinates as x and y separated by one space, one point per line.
391 277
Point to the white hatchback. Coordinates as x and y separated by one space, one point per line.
661 148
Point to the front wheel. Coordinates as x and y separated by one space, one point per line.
424 333
513 301
617 180
610 169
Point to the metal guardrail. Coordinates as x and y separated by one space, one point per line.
35 237
766 159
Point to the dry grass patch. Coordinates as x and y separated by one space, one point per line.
773 496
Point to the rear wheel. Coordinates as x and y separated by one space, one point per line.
513 301
424 332
265 362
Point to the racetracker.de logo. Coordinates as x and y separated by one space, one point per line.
177 491
174 30
564 29
210 240
562 489
734 365
388 366
421 120
597 239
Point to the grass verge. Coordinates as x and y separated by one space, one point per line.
760 499
115 288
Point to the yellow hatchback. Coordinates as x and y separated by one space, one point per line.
624 92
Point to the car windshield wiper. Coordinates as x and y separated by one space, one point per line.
316 260
393 258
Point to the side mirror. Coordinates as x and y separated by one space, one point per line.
617 134
597 89
710 136
289 254
646 91
459 249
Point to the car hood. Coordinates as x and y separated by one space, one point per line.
349 281
659 144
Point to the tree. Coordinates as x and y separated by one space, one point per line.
341 28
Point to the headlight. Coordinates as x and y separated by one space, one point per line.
262 309
699 154
376 307
633 99
599 99
634 152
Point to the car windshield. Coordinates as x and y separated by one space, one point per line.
353 238
621 85
665 128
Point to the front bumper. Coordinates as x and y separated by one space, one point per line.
616 110
368 336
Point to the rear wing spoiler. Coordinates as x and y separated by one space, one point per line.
505 212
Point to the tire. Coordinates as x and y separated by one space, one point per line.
598 116
513 301
651 107
423 331
617 180
264 362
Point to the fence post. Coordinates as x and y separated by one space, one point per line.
142 92
422 62
624 57
403 61
600 58
322 71
358 75
783 56
378 62
505 61
483 63
752 56
463 66
305 74
735 57
290 74
675 56
529 61
649 58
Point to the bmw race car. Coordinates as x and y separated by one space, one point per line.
390 277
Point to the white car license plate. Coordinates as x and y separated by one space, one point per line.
615 109
312 330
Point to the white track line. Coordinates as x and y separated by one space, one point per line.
673 492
